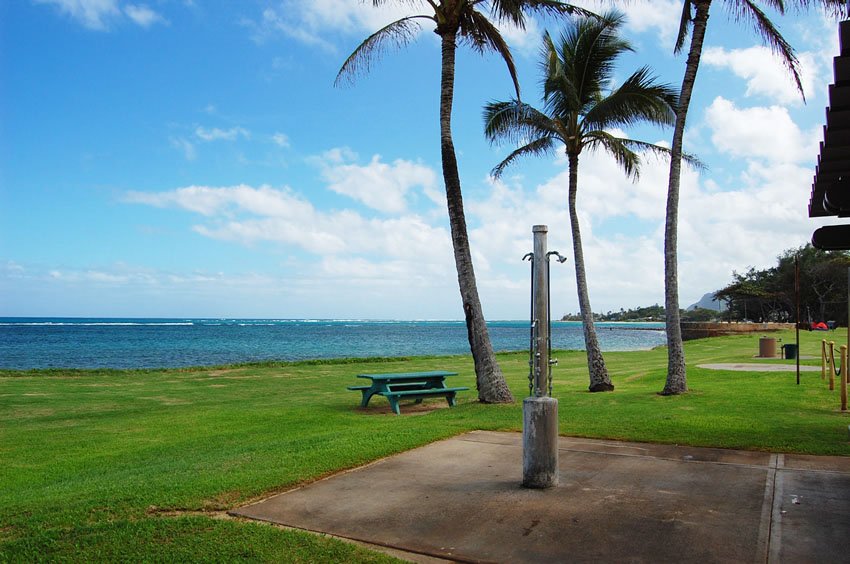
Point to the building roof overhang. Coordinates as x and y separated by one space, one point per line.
831 186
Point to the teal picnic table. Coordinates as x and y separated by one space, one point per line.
410 385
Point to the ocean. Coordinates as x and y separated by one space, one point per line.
27 343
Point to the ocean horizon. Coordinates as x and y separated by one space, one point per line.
129 342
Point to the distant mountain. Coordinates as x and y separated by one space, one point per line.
708 302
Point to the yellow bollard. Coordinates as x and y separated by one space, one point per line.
831 364
822 359
843 379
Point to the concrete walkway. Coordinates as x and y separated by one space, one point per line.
755 367
460 499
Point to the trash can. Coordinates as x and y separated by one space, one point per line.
767 347
790 351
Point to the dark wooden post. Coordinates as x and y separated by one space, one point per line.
843 378
797 302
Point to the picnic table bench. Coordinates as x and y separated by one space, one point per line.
411 385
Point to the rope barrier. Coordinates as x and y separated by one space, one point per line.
828 361
838 370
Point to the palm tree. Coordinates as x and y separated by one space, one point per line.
579 109
695 20
459 20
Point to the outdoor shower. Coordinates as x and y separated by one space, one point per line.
540 410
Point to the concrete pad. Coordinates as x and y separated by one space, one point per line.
461 499
779 357
811 513
753 367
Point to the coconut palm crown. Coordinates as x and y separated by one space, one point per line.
471 22
580 109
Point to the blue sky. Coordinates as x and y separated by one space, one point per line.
191 158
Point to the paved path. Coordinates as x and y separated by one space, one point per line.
460 499
755 367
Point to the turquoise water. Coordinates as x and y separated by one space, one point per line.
151 343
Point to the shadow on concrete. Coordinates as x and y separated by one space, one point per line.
461 499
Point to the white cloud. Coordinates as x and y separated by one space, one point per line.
619 263
281 140
210 201
122 275
381 186
185 146
90 276
272 23
142 15
662 16
725 224
248 215
747 224
311 22
12 266
766 133
337 155
101 14
93 14
525 41
216 134
821 38
764 73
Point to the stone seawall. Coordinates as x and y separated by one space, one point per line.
699 330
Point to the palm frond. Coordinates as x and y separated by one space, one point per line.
771 36
398 34
550 62
510 11
663 152
639 98
618 148
588 52
585 56
556 8
833 8
514 11
514 122
684 25
627 152
558 87
483 35
542 146
694 161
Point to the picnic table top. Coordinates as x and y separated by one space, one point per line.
408 375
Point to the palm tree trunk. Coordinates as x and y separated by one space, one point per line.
677 382
599 379
489 379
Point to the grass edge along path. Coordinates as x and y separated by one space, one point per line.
106 465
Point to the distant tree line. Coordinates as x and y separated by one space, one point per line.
648 313
768 295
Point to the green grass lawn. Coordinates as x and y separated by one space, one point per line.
140 465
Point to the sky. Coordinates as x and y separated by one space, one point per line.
194 158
